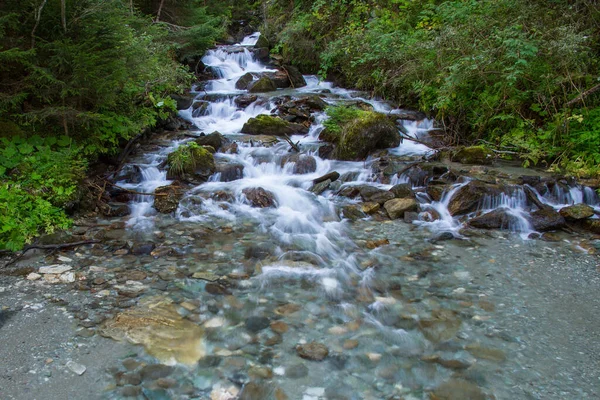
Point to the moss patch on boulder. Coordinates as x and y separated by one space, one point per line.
272 126
370 131
480 155
264 84
190 158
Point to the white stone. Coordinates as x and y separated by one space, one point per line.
95 268
33 276
76 368
64 259
215 322
279 371
315 391
69 277
52 278
55 269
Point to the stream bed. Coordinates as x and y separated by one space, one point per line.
222 299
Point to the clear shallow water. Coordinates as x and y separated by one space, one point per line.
399 315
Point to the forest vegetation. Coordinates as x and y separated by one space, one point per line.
79 79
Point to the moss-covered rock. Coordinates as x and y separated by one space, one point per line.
368 132
262 42
190 159
167 198
469 197
244 81
264 84
473 155
272 126
577 212
215 140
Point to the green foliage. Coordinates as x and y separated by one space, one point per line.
188 158
502 71
339 116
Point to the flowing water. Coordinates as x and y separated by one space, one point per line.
400 316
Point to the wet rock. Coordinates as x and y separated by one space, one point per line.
468 197
312 351
261 54
230 172
141 249
257 324
411 216
474 155
372 131
592 225
244 81
296 371
190 162
254 391
114 209
128 378
370 207
259 251
376 195
314 102
296 78
577 212
216 289
131 391
396 208
402 191
279 327
262 85
435 191
410 115
262 42
442 236
55 269
245 100
320 187
183 101
496 219
458 389
353 212
214 140
441 326
546 219
259 197
272 126
460 360
168 197
331 176
200 108
164 333
304 164
279 78
486 353
77 368
153 372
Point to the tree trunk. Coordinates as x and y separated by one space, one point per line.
162 2
63 14
38 16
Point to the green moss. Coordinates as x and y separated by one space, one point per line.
188 158
340 116
273 126
474 155
366 132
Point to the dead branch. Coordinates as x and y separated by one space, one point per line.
583 95
295 146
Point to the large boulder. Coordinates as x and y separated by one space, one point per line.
166 199
245 100
262 85
214 140
303 164
402 191
244 81
230 171
272 126
397 207
474 155
375 195
468 197
577 212
262 42
361 136
496 219
190 162
279 78
296 78
183 101
546 219
259 197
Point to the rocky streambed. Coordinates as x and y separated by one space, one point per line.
289 263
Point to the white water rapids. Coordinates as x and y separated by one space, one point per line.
301 219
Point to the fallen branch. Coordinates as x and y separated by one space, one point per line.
48 247
294 145
583 95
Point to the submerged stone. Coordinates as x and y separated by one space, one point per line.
156 324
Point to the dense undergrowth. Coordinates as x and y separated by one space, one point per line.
77 81
515 74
